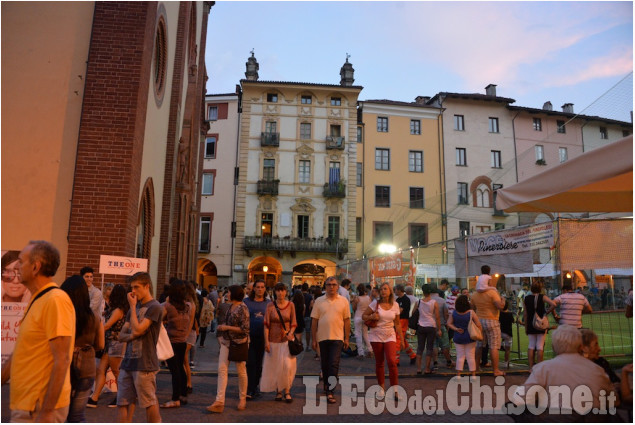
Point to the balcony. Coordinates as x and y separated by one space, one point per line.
268 187
270 139
293 245
338 190
335 142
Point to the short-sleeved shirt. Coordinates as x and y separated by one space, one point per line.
404 304
141 352
257 311
506 319
484 304
483 282
450 301
344 292
50 316
96 301
178 322
330 314
385 329
443 308
571 305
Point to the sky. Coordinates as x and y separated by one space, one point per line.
563 52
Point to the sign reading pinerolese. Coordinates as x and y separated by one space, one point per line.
514 240
127 266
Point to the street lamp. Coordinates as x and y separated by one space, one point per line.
385 248
265 269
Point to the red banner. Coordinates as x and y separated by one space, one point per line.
387 266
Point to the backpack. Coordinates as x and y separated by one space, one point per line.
207 313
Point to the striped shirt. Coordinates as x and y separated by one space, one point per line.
571 305
450 301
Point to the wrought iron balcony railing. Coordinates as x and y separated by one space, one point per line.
270 139
293 245
338 190
268 187
335 142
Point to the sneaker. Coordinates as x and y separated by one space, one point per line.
113 403
92 403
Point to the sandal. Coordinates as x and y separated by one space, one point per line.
288 398
278 397
171 404
331 398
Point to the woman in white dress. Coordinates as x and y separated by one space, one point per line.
383 337
279 366
360 304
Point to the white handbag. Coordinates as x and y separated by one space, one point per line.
164 346
475 332
539 323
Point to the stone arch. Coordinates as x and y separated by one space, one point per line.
207 273
481 180
271 275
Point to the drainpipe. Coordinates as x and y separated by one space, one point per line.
515 153
582 134
444 218
240 110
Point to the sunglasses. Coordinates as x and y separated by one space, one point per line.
10 275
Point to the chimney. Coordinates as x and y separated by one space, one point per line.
422 100
568 108
252 68
547 106
347 73
490 90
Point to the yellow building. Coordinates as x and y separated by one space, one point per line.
400 179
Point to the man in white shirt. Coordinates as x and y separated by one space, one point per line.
572 305
96 297
344 288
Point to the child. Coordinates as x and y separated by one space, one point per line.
506 319
482 284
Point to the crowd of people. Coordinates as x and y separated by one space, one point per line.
78 334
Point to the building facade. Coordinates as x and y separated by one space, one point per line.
295 204
111 168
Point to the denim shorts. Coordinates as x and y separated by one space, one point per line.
137 387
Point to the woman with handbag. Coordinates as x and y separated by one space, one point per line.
179 315
383 336
89 337
535 305
279 366
428 328
233 339
459 321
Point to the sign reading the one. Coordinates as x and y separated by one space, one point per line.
127 266
510 241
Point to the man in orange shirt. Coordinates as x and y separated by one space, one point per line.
488 305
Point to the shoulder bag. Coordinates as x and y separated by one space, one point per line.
372 323
295 346
475 332
164 346
539 323
413 321
238 352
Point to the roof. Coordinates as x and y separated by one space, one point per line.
398 103
295 83
472 96
569 115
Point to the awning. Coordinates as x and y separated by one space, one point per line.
600 180
615 271
540 270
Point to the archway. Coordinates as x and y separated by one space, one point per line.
266 268
312 271
207 273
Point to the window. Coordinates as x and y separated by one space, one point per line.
212 113
415 161
496 159
483 229
540 153
359 175
562 154
493 125
464 228
461 156
358 229
210 147
415 126
482 196
205 234
336 130
459 123
382 159
304 171
307 100
266 224
382 124
382 196
537 124
160 59
495 187
208 183
359 135
336 101
269 169
303 226
561 128
603 133
334 227
416 197
418 234
462 191
382 232
305 131
499 226
272 98
271 127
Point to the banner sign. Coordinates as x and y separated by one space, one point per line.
126 266
15 299
510 241
388 265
